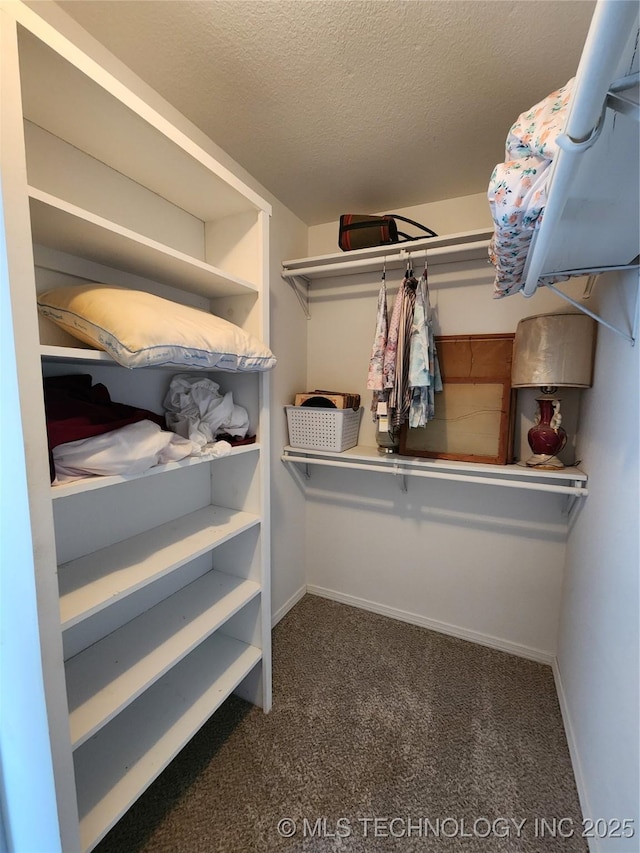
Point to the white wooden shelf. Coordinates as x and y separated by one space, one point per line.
567 481
67 228
450 248
70 95
77 355
91 583
139 743
109 675
86 355
88 484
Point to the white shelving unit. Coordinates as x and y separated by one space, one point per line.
153 589
109 675
460 248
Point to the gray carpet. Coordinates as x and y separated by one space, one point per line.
451 746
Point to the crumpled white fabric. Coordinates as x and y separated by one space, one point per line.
195 409
131 449
216 450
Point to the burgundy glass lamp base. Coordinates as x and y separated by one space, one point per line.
546 438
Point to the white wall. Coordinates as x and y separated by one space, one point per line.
598 640
288 341
481 562
460 558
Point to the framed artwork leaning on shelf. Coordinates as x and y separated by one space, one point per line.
475 412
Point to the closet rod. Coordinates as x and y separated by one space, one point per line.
394 255
578 491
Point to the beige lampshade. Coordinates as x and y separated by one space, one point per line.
554 349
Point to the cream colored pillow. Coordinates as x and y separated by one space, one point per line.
142 330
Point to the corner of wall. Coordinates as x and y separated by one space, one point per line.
599 642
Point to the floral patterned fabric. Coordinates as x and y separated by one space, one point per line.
399 391
518 187
424 368
375 378
403 369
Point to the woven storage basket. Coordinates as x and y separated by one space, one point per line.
323 429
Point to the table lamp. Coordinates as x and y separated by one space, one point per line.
552 351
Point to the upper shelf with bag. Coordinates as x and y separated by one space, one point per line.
451 248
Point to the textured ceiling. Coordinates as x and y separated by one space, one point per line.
342 106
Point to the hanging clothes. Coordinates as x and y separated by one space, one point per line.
375 378
403 369
424 369
389 362
398 349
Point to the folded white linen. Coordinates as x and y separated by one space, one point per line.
132 449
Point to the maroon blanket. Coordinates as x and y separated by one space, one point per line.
75 409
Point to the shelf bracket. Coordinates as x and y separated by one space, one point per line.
570 500
588 288
628 335
300 286
402 478
618 98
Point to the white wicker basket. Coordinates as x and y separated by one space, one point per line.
323 429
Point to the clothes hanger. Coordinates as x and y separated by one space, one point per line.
409 277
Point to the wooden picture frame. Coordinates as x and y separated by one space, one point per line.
475 412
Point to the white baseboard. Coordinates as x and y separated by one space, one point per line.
434 625
281 612
594 843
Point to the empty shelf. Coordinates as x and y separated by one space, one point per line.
112 673
68 228
97 580
139 743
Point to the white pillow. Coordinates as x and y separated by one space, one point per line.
142 330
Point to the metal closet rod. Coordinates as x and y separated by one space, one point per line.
399 469
393 254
